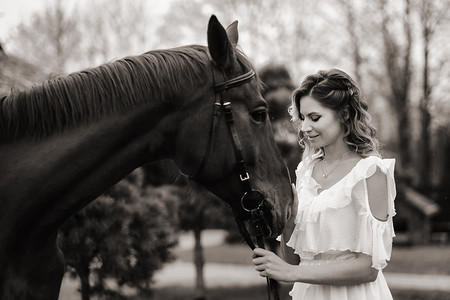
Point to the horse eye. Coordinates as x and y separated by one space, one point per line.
259 115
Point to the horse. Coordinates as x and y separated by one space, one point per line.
64 141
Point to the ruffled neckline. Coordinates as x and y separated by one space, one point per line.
317 186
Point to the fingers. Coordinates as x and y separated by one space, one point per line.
260 256
259 260
260 265
260 268
267 263
263 273
259 252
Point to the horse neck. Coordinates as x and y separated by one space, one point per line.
51 178
114 88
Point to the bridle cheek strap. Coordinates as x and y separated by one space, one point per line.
225 108
252 200
237 147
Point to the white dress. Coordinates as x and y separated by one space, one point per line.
336 223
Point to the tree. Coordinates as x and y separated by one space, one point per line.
126 235
62 38
431 17
355 41
397 61
198 209
115 28
278 89
49 39
270 32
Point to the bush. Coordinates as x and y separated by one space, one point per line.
125 234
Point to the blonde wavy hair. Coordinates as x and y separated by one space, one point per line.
334 89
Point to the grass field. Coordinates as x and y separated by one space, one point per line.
421 260
417 260
259 293
254 293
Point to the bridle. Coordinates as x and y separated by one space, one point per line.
252 201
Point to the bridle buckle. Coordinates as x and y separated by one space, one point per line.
245 177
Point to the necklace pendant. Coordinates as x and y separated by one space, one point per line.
324 175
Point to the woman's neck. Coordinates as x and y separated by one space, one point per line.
335 151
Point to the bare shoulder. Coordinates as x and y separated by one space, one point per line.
377 190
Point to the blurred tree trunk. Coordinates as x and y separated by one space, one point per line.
60 33
199 259
85 286
354 39
397 61
198 210
425 116
430 17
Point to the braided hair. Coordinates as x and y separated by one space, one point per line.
336 90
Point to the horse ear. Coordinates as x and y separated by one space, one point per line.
220 47
232 32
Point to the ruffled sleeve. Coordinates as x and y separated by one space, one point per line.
381 232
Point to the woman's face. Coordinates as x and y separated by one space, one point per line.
320 125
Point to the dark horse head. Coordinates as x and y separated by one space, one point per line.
213 153
65 141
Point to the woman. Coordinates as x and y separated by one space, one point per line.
343 229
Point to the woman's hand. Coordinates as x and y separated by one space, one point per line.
268 264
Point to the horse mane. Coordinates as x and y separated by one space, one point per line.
78 98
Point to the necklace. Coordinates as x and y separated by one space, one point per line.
339 159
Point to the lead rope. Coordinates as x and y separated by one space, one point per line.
271 284
272 288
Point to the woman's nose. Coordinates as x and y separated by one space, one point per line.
306 127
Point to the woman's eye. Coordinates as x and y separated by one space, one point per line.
315 119
259 115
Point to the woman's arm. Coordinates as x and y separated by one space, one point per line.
346 272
